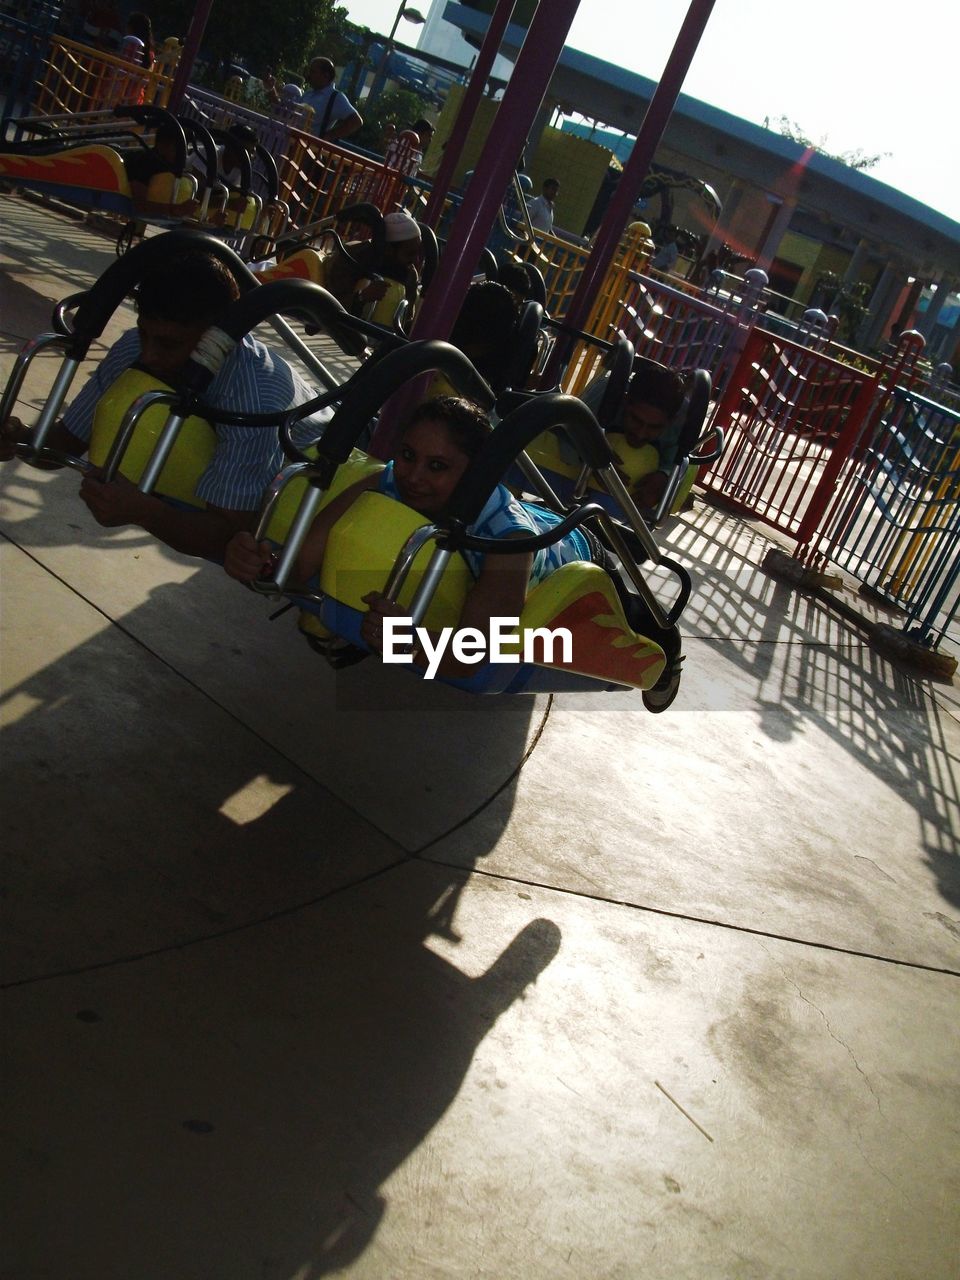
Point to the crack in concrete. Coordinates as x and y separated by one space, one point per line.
881 1173
833 1036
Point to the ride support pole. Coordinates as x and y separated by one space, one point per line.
468 107
468 236
191 47
637 167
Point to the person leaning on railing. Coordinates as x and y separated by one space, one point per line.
334 115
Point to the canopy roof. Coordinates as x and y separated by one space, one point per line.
618 98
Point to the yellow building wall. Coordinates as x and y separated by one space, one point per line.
815 260
800 250
578 165
483 118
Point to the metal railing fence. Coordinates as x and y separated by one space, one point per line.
894 522
75 78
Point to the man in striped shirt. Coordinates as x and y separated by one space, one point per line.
175 305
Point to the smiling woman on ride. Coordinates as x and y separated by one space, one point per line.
434 449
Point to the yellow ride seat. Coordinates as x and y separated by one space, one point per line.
547 452
92 165
167 188
357 467
189 458
363 546
635 462
305 264
385 310
245 216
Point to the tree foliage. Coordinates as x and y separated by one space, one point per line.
847 300
856 159
284 34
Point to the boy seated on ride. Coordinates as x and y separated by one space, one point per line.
485 331
146 163
433 451
239 148
645 428
176 303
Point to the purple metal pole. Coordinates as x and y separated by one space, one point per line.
528 85
517 112
461 126
648 139
191 47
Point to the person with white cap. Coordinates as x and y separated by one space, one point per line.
402 231
360 279
401 254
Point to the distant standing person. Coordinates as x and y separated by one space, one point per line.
665 259
424 131
541 208
137 48
139 25
403 153
334 115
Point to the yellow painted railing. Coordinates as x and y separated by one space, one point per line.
317 178
78 78
911 554
561 265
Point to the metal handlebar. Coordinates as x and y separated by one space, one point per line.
702 459
512 437
63 324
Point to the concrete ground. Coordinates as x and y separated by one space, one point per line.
312 973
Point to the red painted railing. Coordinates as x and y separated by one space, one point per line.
789 415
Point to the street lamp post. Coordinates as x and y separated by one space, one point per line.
408 14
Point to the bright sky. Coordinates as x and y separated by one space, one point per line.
878 77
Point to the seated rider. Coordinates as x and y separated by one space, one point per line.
352 283
485 331
514 276
176 303
649 415
145 163
240 145
434 449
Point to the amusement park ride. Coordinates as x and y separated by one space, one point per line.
161 437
